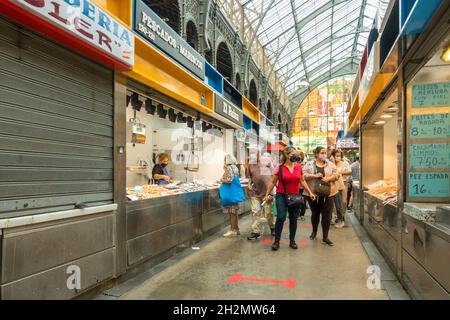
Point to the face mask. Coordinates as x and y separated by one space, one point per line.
294 158
253 158
338 159
322 157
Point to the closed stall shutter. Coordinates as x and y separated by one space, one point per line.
56 126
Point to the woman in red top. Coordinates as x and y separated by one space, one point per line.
292 175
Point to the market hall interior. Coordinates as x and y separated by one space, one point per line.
225 149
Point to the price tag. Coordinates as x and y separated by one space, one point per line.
435 155
429 185
429 126
430 95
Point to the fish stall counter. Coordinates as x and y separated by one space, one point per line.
382 219
426 250
163 221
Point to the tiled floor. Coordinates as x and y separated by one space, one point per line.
314 271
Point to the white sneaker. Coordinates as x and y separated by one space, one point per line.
339 225
230 233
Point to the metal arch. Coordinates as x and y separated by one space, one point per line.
301 23
310 18
360 21
342 70
297 30
250 43
346 62
326 40
205 24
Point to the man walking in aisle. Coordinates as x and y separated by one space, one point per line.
260 173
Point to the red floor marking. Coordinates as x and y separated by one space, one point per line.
289 283
301 225
306 225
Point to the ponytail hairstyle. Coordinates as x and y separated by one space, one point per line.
301 154
317 150
284 154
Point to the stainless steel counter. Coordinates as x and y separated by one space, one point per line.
166 225
425 253
383 224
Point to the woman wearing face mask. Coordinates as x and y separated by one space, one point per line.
287 178
160 173
340 200
323 169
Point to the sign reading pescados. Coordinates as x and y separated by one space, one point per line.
153 29
87 22
228 110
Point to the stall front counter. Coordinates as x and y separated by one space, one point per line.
159 227
426 249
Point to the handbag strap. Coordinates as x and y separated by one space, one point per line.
281 178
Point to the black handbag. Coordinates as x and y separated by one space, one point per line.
292 200
321 188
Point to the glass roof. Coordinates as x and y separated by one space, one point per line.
312 40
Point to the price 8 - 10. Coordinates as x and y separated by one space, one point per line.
436 132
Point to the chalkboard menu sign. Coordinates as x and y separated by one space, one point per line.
429 95
428 178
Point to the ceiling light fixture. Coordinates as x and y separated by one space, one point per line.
136 102
386 116
172 115
379 122
149 107
304 83
446 55
162 113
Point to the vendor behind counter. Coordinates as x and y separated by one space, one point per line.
160 173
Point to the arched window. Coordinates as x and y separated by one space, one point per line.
224 62
192 35
253 93
167 10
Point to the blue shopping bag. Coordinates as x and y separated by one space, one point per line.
231 193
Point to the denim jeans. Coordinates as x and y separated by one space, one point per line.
302 207
282 210
338 206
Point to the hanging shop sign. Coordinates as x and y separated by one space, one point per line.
347 143
149 26
228 110
371 70
84 21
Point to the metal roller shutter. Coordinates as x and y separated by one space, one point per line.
56 126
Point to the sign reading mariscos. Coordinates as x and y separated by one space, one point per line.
228 110
153 29
86 21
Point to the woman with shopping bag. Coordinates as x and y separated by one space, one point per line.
287 177
231 194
